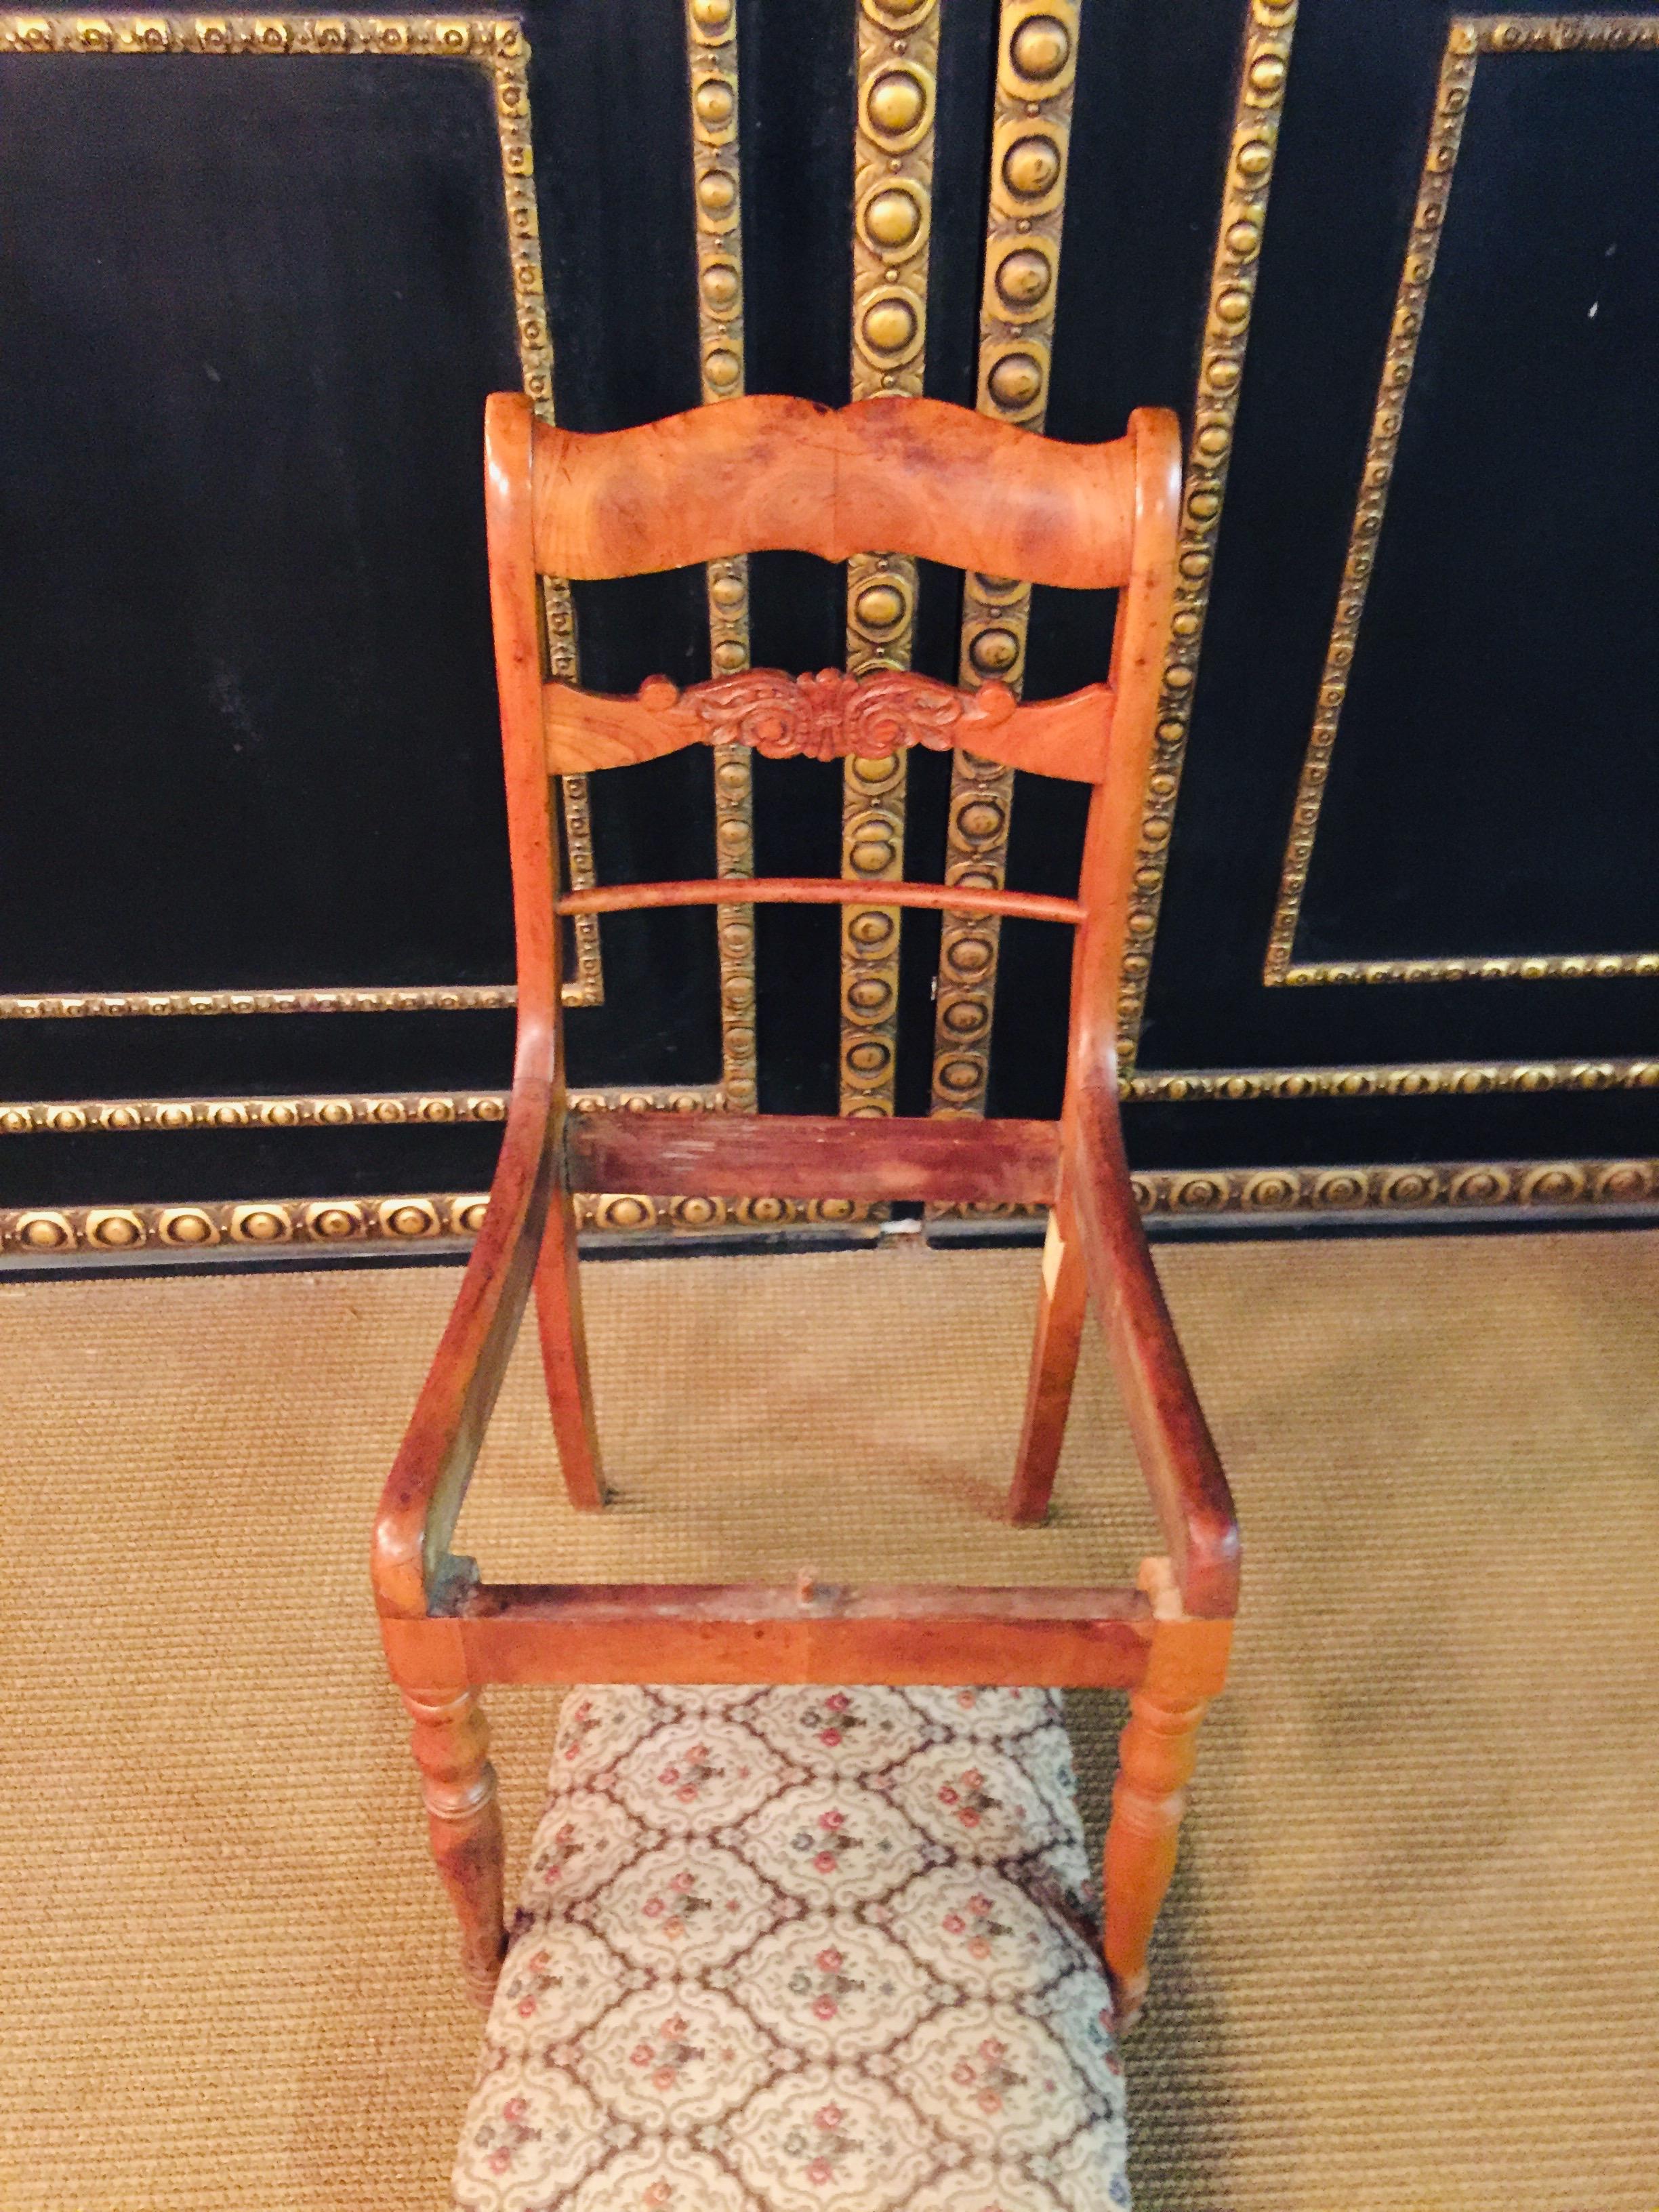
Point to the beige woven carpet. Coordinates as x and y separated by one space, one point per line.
1412 1959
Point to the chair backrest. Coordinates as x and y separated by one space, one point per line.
894 475
913 477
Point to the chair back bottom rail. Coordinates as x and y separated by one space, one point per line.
814 1156
1062 1638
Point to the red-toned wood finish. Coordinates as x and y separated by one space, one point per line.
828 717
1062 1309
764 474
913 476
820 890
450 1741
813 1156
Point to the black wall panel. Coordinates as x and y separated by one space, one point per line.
252 307
1491 788
251 311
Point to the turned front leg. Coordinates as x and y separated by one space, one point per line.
1156 1754
450 1743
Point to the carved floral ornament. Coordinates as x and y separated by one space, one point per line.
828 716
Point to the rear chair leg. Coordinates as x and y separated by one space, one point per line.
1156 1754
450 1741
564 1357
1061 1313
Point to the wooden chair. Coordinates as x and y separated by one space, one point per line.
753 474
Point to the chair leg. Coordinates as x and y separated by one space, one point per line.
1156 1754
564 1357
1061 1313
450 1740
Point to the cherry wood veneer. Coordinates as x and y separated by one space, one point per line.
907 475
766 474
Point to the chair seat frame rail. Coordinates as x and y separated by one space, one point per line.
755 474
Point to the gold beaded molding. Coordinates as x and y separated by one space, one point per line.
73 1117
385 1109
1037 66
343 998
497 44
1550 1188
717 199
1408 1079
55 1232
1468 38
1266 63
1412 1188
892 216
68 1117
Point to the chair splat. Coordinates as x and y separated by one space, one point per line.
828 716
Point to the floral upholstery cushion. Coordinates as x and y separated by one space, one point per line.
802 1950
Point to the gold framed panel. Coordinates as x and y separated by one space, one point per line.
497 44
1469 39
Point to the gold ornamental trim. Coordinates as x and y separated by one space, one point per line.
892 219
1468 38
487 38
1548 1188
329 998
1415 1186
711 27
299 1108
1269 31
1037 67
68 1117
1398 1079
497 44
386 1108
48 1232
1555 34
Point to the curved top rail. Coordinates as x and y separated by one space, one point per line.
892 475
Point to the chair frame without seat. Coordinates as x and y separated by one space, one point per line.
917 476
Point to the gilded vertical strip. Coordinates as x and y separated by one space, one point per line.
892 213
712 60
1037 67
1269 28
509 59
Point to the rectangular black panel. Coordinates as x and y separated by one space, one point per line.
1491 741
252 307
1495 782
